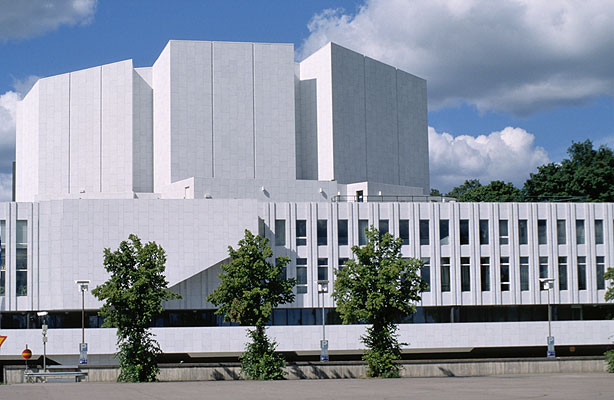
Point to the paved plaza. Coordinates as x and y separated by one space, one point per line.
556 386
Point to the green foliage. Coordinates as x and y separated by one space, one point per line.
587 175
609 296
378 287
260 361
494 192
250 288
609 359
435 192
133 296
467 186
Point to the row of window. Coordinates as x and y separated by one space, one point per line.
21 258
313 316
485 273
444 231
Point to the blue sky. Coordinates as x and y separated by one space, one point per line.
510 83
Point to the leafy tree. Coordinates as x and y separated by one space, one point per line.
379 287
435 192
133 296
495 191
609 296
587 175
467 186
250 288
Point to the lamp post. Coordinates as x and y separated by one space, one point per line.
323 288
83 287
44 332
547 282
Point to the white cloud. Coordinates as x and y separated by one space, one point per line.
509 155
25 18
520 56
6 187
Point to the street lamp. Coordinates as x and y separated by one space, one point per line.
83 287
323 288
44 331
547 284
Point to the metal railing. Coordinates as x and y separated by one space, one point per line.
388 199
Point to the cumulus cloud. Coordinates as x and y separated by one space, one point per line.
21 19
509 155
519 56
8 111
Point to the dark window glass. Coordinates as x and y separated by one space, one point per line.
562 273
465 274
524 274
503 232
404 230
561 232
598 231
280 232
485 274
505 274
323 269
322 232
542 232
523 235
301 275
301 232
580 239
600 260
425 272
342 232
342 262
363 225
444 232
445 274
424 232
464 231
581 273
383 227
483 231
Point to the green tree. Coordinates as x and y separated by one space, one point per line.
250 288
435 192
467 186
609 296
587 175
495 192
378 288
132 297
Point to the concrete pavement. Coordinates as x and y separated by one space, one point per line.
554 386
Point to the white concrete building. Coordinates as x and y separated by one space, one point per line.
216 138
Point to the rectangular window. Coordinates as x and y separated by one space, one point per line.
504 237
363 225
523 234
483 231
600 261
323 269
342 262
505 274
424 232
425 272
580 239
464 231
444 231
561 232
543 269
465 274
2 257
598 231
562 273
524 274
383 227
445 274
581 273
301 232
485 273
404 231
322 232
280 232
542 231
301 275
21 276
283 274
342 232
